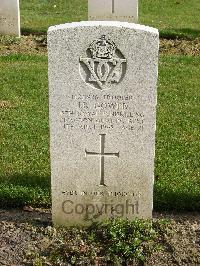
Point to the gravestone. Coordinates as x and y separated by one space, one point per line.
9 17
126 10
102 88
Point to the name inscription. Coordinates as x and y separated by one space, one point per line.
94 112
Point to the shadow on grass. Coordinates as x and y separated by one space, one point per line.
20 190
164 33
179 33
28 31
178 201
25 179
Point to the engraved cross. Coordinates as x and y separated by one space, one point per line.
113 6
102 156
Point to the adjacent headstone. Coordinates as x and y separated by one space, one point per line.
9 17
126 10
102 82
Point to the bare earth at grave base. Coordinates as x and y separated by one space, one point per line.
28 235
37 45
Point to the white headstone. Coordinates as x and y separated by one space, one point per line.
9 17
126 10
102 85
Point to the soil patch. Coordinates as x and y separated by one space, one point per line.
31 44
180 47
34 44
24 234
6 104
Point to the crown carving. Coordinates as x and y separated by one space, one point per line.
102 48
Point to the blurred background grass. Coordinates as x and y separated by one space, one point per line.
173 18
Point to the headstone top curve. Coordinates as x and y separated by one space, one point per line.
104 23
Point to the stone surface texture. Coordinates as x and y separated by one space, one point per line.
9 17
102 88
115 10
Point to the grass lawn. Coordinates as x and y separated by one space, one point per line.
37 15
24 133
174 18
178 142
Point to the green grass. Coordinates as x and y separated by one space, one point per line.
37 15
24 133
178 140
174 18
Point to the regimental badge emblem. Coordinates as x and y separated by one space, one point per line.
103 65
